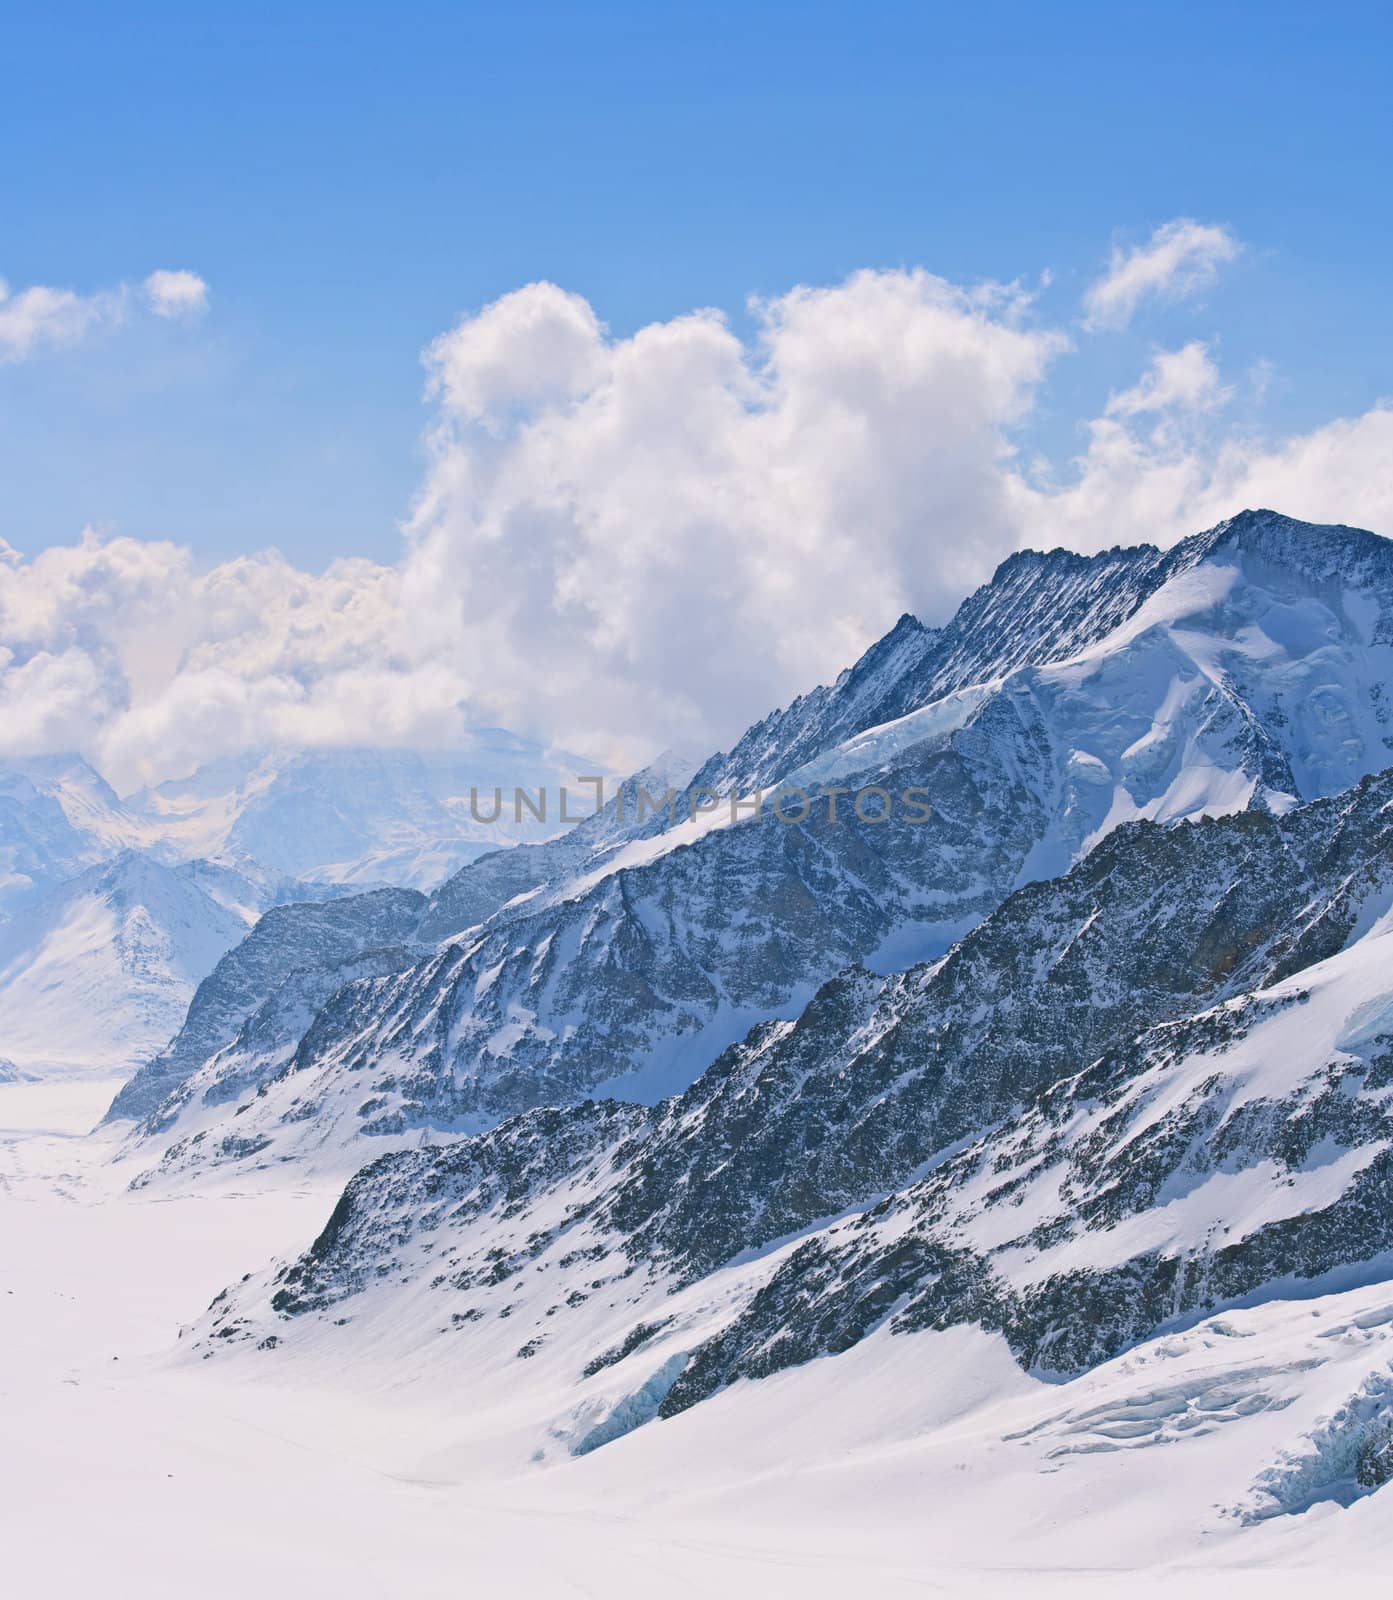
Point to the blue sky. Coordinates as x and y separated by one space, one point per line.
352 180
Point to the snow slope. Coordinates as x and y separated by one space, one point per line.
111 911
914 1465
1141 1115
248 1015
98 973
1057 1261
57 817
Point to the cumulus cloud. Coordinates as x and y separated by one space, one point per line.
176 294
671 532
1180 259
1159 484
537 346
629 541
681 527
40 317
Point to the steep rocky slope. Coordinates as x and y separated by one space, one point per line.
1157 1087
1250 668
294 957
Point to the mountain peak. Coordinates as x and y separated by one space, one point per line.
907 637
1320 550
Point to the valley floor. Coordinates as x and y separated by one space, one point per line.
924 1465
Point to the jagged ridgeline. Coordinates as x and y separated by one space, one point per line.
1146 1073
1247 670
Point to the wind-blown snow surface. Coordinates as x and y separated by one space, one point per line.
911 1466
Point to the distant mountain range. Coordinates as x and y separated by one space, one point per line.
364 816
113 910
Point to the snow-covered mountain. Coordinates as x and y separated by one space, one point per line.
1248 669
354 815
365 816
91 974
57 817
249 1011
931 1165
1134 1108
248 1016
98 973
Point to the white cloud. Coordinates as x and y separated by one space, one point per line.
626 542
536 346
123 650
678 529
1186 379
1179 259
176 294
40 317
1160 485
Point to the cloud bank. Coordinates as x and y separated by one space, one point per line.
122 650
629 541
675 529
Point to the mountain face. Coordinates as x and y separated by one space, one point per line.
1054 1127
476 892
96 975
264 991
347 816
1246 671
1037 608
1152 1089
249 1014
104 932
57 817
